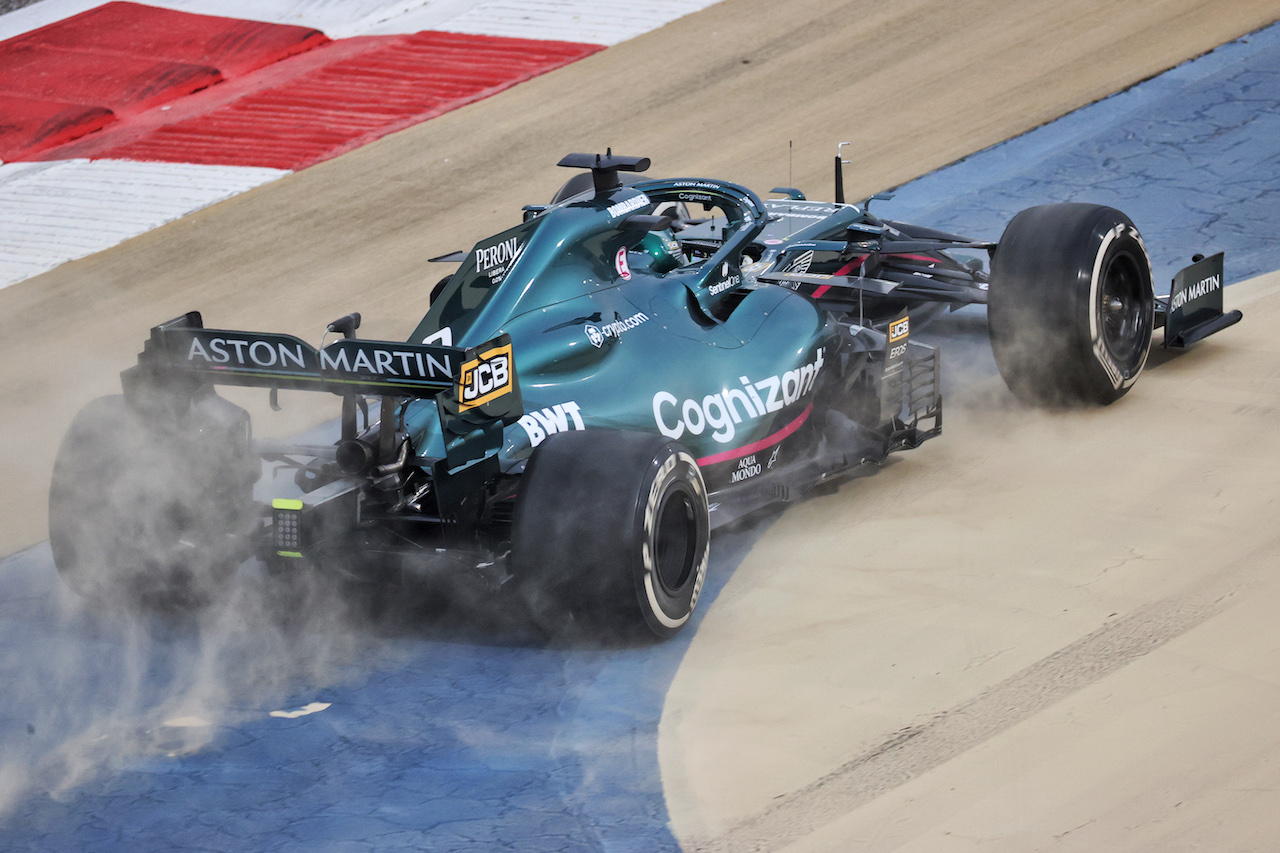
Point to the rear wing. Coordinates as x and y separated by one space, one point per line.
475 388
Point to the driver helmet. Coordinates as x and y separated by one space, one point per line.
664 249
662 246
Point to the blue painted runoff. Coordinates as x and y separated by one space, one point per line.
462 729
1192 156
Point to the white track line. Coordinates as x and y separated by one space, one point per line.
590 21
55 212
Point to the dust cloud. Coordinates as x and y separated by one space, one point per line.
160 631
157 633
92 688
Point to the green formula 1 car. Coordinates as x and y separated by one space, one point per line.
593 391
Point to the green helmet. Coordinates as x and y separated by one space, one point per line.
665 250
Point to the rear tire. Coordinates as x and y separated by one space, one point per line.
152 513
1071 305
612 528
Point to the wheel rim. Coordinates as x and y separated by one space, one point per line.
675 542
1124 309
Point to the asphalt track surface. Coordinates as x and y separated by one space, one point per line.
463 729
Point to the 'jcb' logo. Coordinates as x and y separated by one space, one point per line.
899 330
485 378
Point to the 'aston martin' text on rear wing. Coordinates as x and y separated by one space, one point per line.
480 380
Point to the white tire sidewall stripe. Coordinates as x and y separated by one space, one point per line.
1100 353
665 474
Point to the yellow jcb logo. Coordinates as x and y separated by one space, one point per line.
486 377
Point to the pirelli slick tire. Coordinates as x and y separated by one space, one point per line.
1071 306
612 527
148 514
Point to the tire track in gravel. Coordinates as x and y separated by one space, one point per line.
914 750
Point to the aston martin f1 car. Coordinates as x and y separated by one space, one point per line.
593 391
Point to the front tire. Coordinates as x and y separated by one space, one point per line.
1071 306
613 527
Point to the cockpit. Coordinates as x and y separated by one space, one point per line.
600 232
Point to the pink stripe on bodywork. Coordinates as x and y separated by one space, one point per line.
757 446
844 270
